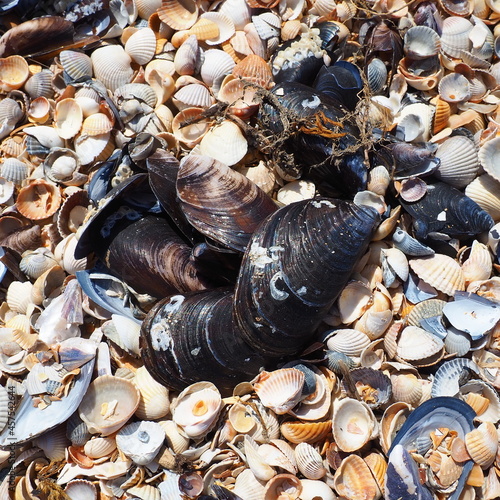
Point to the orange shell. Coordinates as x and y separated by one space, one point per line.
38 200
305 432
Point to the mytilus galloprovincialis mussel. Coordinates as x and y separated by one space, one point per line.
271 90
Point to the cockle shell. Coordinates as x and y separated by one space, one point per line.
14 71
348 341
225 142
353 424
112 66
485 191
305 432
353 479
68 118
196 408
38 200
309 461
256 462
418 346
454 88
489 156
455 35
99 447
179 15
482 444
216 65
154 402
76 64
14 170
81 489
35 263
39 84
283 484
141 46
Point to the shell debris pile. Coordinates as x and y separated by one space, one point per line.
249 249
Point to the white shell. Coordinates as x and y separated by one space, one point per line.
485 191
154 401
489 156
348 341
46 136
141 441
296 191
14 170
225 142
76 64
81 489
19 296
216 64
454 88
309 461
313 489
416 344
455 35
99 447
141 46
112 66
225 25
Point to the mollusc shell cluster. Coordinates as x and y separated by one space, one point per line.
249 249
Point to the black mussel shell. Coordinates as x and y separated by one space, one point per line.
446 210
427 14
329 34
411 161
100 183
152 258
185 339
221 203
295 266
341 81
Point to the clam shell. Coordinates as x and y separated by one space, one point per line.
99 447
353 301
283 484
348 341
141 46
154 402
108 404
141 441
197 408
454 88
225 142
482 444
35 263
280 390
14 170
187 56
353 424
305 432
216 65
406 388
489 409
39 85
193 95
96 124
53 443
441 115
46 136
439 271
478 266
189 134
38 200
145 492
489 156
256 462
309 461
449 376
421 42
90 148
374 387
457 342
39 110
455 35
112 66
312 489
254 69
353 479
76 64
68 118
459 161
178 14
417 345
485 191
225 26
176 441
81 489
14 71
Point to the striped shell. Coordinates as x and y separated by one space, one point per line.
112 66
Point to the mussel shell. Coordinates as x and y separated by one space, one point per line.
294 269
189 338
446 210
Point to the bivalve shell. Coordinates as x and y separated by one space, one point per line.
35 262
416 346
421 42
81 489
112 66
485 191
14 71
14 170
154 402
348 341
225 142
354 480
216 65
455 36
454 88
141 46
309 461
99 447
489 156
38 200
283 484
141 441
482 444
68 118
305 432
178 14
77 65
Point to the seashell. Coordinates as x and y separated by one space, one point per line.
53 443
193 133
283 484
141 46
224 23
68 118
464 8
454 88
312 489
141 441
279 390
38 200
197 408
279 454
261 470
482 444
348 341
455 35
39 110
441 115
406 388
18 296
90 148
373 387
353 479
489 155
99 447
62 166
309 461
421 42
353 424
224 142
305 432
439 271
451 375
242 98
112 66
193 95
216 65
254 69
81 489
179 15
478 391
457 342
14 72
187 56
64 254
35 263
77 431
14 170
459 161
420 116
409 245
39 85
144 491
353 302
485 191
478 266
411 72
46 136
108 404
176 441
418 346
154 402
76 65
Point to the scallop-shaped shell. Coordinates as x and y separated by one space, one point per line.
39 110
178 14
99 447
225 27
376 75
187 56
425 309
439 271
280 390
485 191
479 264
203 30
35 263
14 170
457 342
353 424
406 388
62 166
482 444
96 124
455 35
77 65
459 161
193 95
53 443
154 402
145 492
254 69
68 118
14 71
441 115
373 386
89 148
421 42
40 84
454 88
348 341
353 479
296 191
112 66
175 440
141 46
309 461
448 377
38 200
141 441
81 489
197 408
216 65
417 345
225 142
305 432
489 156
190 135
108 404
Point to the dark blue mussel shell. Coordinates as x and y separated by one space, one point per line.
322 136
446 210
